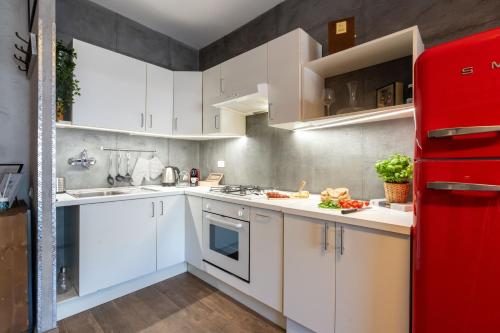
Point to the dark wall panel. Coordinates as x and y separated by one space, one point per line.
97 25
438 20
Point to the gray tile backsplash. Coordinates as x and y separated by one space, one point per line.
70 142
267 156
335 157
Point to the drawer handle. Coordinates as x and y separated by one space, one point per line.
454 186
453 131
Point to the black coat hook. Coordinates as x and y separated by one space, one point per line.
20 48
21 38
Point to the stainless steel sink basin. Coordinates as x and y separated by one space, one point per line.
110 192
96 194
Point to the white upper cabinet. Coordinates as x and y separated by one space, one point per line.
286 56
188 103
159 100
113 89
372 279
241 74
218 121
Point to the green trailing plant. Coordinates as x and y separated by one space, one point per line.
396 169
67 86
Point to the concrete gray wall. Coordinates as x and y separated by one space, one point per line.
334 157
70 142
439 21
14 92
89 22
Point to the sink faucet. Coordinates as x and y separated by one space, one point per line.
83 161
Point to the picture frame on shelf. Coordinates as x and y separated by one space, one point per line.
390 95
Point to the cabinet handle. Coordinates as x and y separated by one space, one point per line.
269 111
326 237
142 120
153 207
150 121
162 208
341 248
175 123
262 216
216 122
221 86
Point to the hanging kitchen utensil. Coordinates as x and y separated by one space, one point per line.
110 179
128 176
119 177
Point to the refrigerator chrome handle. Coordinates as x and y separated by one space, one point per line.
454 186
453 131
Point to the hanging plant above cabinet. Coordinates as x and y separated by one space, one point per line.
66 82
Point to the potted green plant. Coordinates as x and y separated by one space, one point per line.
396 171
66 83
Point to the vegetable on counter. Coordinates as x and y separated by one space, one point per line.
332 204
277 195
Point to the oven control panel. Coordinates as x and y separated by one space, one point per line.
235 211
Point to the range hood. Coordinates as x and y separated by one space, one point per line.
248 103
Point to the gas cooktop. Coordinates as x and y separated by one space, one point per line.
246 191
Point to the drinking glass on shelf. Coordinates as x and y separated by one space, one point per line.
328 99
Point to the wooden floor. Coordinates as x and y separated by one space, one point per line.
180 304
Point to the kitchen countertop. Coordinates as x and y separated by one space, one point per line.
376 218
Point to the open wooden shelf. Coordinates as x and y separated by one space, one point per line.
404 43
394 46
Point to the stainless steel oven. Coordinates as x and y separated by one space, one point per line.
226 237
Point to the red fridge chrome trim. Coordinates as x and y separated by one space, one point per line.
456 248
457 86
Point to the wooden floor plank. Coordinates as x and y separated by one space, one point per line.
181 304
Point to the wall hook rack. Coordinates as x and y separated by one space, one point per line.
28 51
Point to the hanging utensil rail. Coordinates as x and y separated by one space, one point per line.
129 150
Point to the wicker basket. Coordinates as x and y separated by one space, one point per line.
396 193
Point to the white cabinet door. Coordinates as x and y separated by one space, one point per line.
159 100
218 121
241 74
286 55
188 106
266 257
113 89
309 273
194 231
171 228
372 281
117 243
211 94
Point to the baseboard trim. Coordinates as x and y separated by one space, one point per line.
250 302
79 304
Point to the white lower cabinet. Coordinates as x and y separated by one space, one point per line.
266 257
309 273
123 240
345 279
372 281
170 237
194 231
117 243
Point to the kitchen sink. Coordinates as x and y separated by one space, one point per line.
105 193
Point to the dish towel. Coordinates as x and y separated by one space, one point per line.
155 168
141 171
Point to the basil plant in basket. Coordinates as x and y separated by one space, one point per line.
396 171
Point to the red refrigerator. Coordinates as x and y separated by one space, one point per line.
456 232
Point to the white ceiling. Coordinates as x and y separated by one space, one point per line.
194 22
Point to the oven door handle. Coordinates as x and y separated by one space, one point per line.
224 223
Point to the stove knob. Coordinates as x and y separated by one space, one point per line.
240 213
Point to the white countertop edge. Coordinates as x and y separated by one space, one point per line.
375 218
